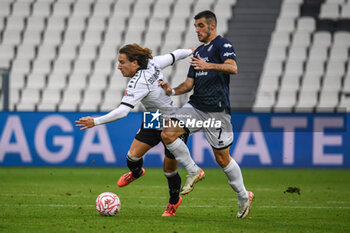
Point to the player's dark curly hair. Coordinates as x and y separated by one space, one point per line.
208 15
136 52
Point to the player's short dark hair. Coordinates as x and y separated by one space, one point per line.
208 15
135 52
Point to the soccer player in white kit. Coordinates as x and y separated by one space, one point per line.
144 72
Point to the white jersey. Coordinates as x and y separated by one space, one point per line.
143 87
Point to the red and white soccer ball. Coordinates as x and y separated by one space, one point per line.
108 204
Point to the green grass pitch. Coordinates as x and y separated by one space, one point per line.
63 200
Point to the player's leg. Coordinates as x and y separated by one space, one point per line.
235 179
174 184
176 146
220 139
134 162
144 140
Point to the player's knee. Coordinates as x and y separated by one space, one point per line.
167 137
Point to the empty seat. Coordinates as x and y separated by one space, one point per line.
142 8
306 24
92 37
76 23
162 9
15 22
42 9
21 66
52 37
285 25
77 81
322 39
21 8
42 65
50 99
341 39
57 80
111 100
70 101
11 37
307 101
286 100
36 23
67 52
329 11
72 37
328 101
91 100
32 37
62 66
294 67
102 8
83 8
36 80
272 68
281 39
297 54
301 39
88 52
30 97
62 9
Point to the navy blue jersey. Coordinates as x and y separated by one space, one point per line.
211 87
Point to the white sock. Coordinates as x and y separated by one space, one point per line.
235 179
179 149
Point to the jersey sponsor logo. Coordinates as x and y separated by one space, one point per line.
151 120
227 45
201 73
227 54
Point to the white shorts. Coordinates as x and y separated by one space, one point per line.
216 126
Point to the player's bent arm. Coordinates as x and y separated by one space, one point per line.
229 66
118 113
184 87
169 59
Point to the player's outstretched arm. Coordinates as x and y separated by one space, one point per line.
181 89
168 59
89 122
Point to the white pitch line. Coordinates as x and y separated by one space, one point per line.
183 206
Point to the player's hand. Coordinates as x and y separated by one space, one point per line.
166 87
198 63
85 122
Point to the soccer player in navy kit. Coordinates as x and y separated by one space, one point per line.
209 77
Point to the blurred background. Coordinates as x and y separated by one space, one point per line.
58 61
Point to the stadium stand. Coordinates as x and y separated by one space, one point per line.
312 47
293 55
62 53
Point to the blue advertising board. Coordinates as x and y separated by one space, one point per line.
260 140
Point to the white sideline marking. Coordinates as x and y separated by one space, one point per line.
183 206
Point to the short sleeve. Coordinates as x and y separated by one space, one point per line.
226 50
134 94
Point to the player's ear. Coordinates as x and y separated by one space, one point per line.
213 25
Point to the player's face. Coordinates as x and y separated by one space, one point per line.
127 67
203 30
